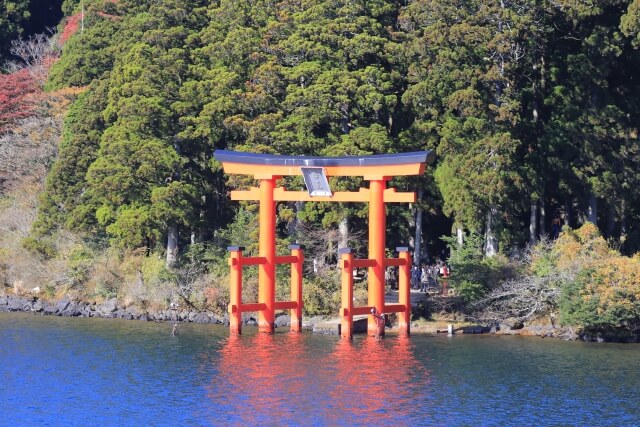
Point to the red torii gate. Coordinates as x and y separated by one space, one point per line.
377 169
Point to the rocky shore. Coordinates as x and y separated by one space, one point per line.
112 309
109 309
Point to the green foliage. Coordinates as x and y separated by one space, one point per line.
13 13
573 308
66 200
242 231
630 23
79 262
461 89
321 294
154 271
472 275
507 93
42 247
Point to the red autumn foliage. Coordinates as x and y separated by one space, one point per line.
16 96
70 27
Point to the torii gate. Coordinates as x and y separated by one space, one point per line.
377 169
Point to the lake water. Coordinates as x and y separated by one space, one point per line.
85 372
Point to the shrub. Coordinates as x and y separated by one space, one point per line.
321 294
472 275
604 296
80 263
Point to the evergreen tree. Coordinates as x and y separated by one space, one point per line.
13 14
464 92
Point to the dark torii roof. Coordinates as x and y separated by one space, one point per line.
427 157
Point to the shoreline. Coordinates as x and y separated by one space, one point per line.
112 309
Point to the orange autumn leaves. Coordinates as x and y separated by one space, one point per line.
609 281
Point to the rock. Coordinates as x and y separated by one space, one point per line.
283 321
107 307
87 309
134 312
567 334
473 329
251 321
145 317
201 318
309 323
62 304
15 303
50 309
72 310
38 306
333 326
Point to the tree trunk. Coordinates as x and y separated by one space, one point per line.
592 213
567 210
293 229
542 229
460 237
343 229
412 226
623 221
490 239
533 221
611 222
417 259
172 246
200 236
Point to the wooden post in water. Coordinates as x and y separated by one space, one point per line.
267 271
377 231
404 291
346 309
296 287
235 289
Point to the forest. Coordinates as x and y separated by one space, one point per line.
109 120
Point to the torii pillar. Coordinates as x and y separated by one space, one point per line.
377 246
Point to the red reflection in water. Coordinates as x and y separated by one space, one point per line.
259 375
293 379
374 379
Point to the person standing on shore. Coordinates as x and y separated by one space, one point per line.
379 323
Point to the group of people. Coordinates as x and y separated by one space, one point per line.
427 276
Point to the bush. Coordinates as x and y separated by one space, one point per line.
80 263
473 275
43 247
604 296
322 294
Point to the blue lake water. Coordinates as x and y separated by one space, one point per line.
60 372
